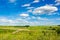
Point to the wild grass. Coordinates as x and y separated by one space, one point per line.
34 33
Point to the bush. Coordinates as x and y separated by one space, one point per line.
27 26
58 25
52 28
58 30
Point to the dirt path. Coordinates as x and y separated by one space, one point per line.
19 30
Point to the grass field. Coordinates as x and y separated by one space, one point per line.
30 33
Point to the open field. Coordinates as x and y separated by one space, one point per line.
30 33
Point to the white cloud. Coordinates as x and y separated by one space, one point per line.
45 9
57 2
20 21
52 13
33 17
3 20
11 21
29 10
57 18
26 5
12 1
24 15
36 1
6 21
30 7
39 18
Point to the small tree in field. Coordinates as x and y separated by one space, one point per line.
58 25
58 30
27 26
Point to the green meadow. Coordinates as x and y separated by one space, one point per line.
30 33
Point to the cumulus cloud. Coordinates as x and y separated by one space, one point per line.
29 10
20 21
57 19
26 5
33 17
6 21
57 2
45 9
24 15
11 21
39 18
36 1
30 7
3 20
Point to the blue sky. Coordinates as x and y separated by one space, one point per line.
29 12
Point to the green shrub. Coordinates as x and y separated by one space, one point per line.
58 30
27 26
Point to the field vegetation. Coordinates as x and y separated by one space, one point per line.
30 32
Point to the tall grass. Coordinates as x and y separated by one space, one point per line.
35 33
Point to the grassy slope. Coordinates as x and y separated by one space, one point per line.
35 33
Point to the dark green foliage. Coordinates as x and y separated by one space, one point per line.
58 30
44 32
22 26
27 26
58 25
52 28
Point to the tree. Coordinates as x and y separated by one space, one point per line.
58 30
58 25
27 26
